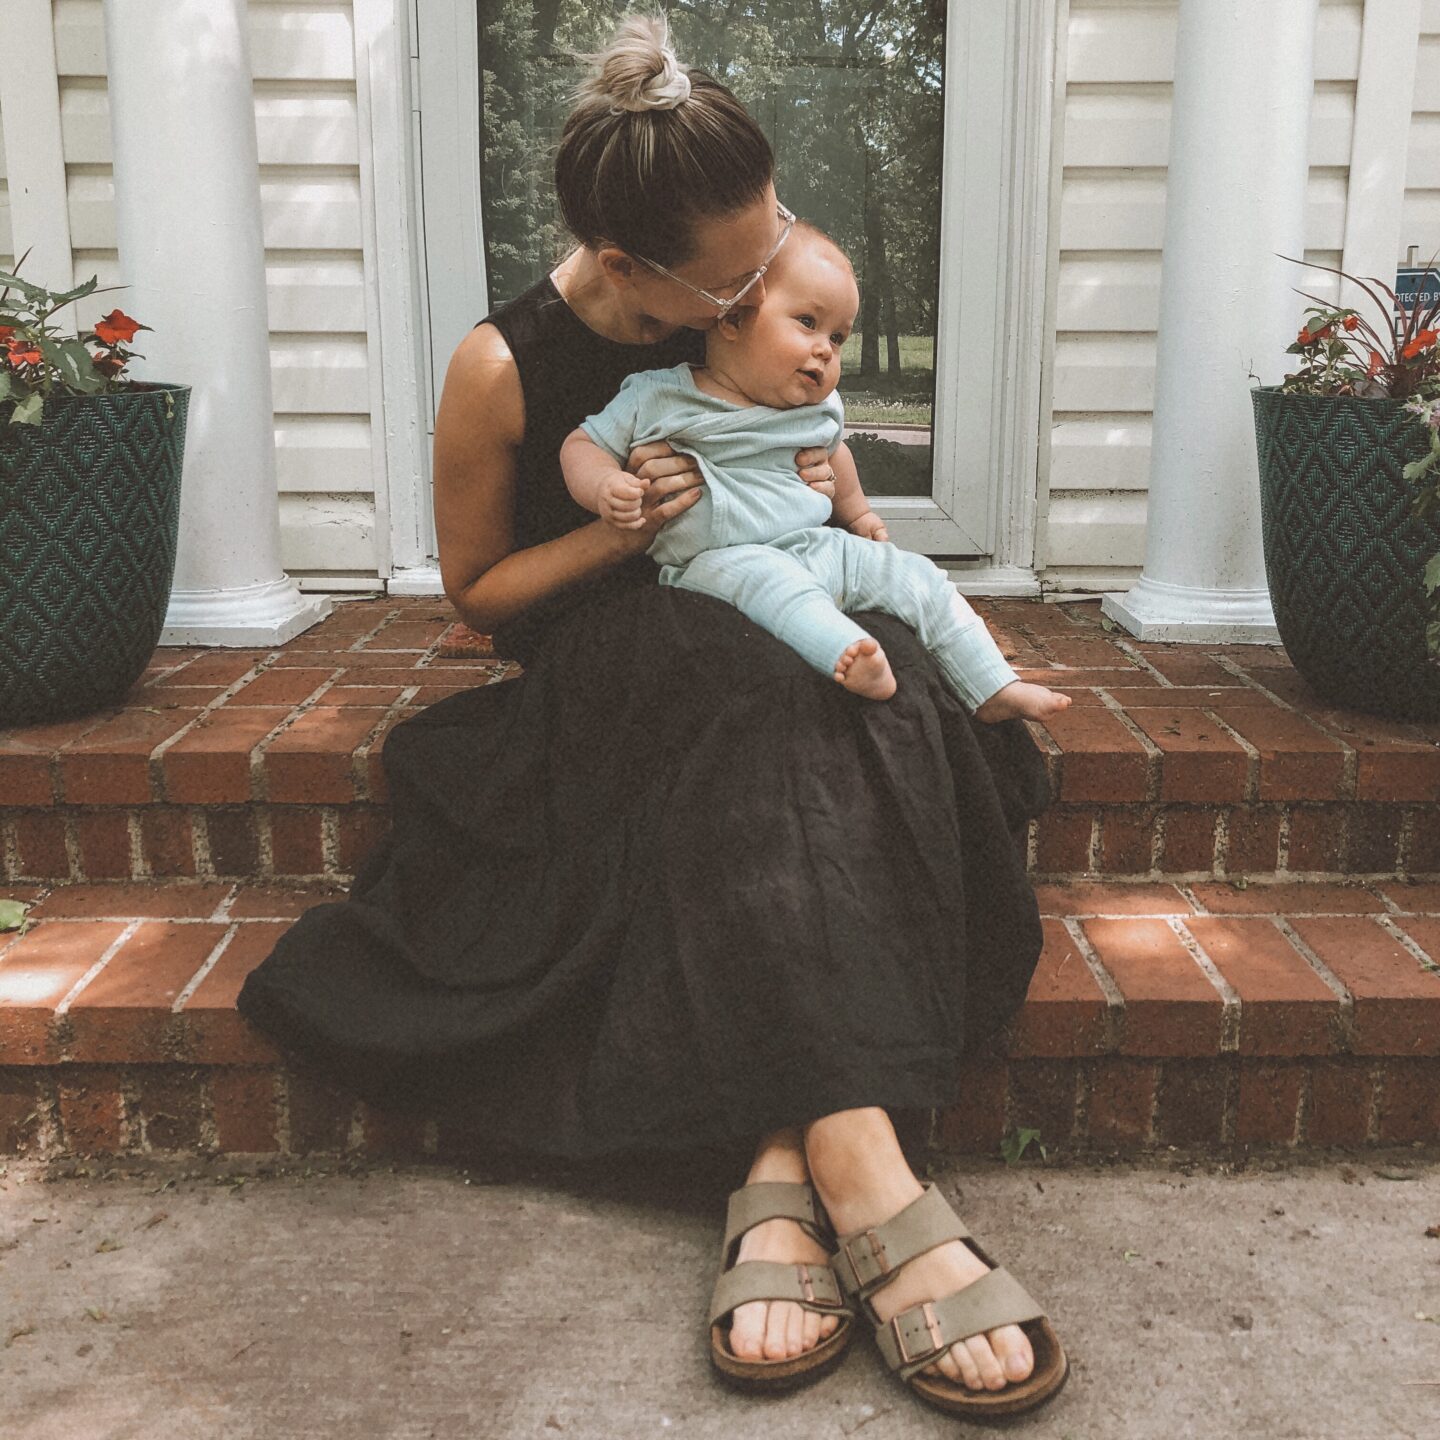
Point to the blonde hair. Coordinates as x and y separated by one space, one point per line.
651 146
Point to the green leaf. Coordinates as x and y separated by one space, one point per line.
78 367
1013 1146
70 295
4 384
1432 574
31 292
30 410
12 914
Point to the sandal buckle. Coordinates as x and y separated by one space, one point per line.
932 1325
803 1271
876 1257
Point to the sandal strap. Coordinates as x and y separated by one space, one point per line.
814 1287
914 1337
751 1205
868 1259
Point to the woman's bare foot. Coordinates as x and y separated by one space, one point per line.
1021 699
779 1329
864 670
861 1176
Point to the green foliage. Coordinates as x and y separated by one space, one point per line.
12 916
1013 1146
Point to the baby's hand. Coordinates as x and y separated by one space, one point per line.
869 526
620 500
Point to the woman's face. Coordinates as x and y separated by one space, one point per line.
728 250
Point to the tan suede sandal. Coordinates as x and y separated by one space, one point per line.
868 1260
813 1287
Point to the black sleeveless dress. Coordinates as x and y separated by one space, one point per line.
671 887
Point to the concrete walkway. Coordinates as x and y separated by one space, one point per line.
177 1300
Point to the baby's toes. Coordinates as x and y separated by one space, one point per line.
1012 1349
747 1330
991 1375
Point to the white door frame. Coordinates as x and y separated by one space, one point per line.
993 312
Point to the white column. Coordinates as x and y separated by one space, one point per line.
1235 198
187 211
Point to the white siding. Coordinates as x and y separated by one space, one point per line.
7 250
1420 219
302 54
1120 60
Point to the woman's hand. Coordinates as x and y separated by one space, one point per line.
813 467
673 484
869 526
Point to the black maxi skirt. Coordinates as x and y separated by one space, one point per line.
672 887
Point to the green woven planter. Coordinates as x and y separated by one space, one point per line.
1343 556
89 511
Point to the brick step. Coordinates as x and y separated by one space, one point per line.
1173 760
1203 1015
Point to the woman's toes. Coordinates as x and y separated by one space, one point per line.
991 1375
828 1325
957 1366
810 1338
775 1328
1012 1348
747 1330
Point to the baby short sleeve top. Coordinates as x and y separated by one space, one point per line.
746 453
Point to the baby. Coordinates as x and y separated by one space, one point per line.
757 537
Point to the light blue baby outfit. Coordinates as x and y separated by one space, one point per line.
757 537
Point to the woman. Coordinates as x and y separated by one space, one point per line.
671 887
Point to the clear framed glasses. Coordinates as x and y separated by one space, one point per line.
787 224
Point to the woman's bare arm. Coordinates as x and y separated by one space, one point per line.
478 430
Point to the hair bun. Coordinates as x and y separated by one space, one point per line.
663 90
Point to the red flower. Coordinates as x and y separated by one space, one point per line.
1326 333
6 331
108 364
1352 322
1423 341
1377 360
1304 337
22 352
116 327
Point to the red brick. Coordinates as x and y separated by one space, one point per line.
1398 771
1340 1097
1088 897
1102 759
1298 760
1104 679
1191 1102
1425 932
358 833
216 668
1065 1011
281 902
1414 899
1201 762
280 687
1409 1101
1183 665
25 754
429 694
123 1014
1126 837
392 1133
1252 840
40 844
1077 650
1171 1007
1397 1004
355 662
312 762
242 1103
1042 1097
1304 897
1121 1101
320 1114
1424 848
233 840
1062 840
1317 839
104 840
1186 697
210 764
381 696
1285 1007
461 642
976 1124
213 1030
128 902
110 765
1188 840
166 841
296 845
1373 839
91 1109
22 1105
37 970
168 1107
374 769
408 635
1268 1109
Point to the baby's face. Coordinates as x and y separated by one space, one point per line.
787 350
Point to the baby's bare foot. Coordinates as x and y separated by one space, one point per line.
1021 699
778 1329
864 670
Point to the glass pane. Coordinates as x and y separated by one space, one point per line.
851 96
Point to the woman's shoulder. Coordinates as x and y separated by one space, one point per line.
483 380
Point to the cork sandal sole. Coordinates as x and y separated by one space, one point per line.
773 1376
1052 1369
